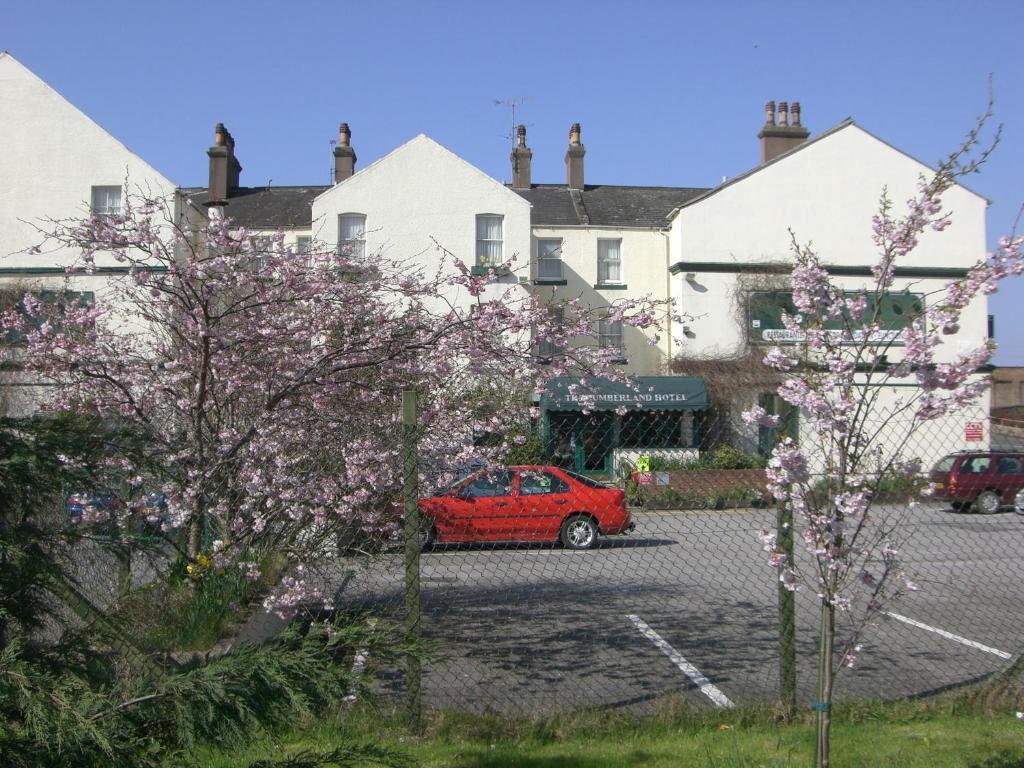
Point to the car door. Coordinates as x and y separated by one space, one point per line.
972 476
544 499
1009 477
491 496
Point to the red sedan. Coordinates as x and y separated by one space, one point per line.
525 504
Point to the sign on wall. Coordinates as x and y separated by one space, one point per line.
973 432
765 310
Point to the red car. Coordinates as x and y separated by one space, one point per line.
982 480
525 504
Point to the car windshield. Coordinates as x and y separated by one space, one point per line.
944 464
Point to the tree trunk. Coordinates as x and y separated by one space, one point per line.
823 704
195 535
787 615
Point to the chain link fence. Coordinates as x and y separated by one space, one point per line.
613 560
618 564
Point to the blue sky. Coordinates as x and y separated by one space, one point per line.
668 93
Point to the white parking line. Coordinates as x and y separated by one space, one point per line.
950 635
705 685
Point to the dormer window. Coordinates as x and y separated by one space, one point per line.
489 240
352 235
106 201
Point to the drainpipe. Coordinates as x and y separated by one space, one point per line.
668 285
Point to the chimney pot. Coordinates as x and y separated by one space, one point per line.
344 155
574 159
224 167
788 134
522 157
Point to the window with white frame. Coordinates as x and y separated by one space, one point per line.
262 250
489 240
546 348
609 261
549 259
303 245
106 201
609 335
352 235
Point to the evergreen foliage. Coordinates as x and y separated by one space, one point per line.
90 696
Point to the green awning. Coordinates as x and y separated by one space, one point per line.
643 393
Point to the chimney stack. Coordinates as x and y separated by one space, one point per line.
224 167
521 159
574 159
344 155
787 133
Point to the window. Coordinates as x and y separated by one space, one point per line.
352 235
547 349
609 334
302 243
532 483
489 485
975 465
549 259
609 261
489 240
52 305
262 249
1009 465
106 201
655 429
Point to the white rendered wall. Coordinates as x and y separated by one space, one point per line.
826 194
52 155
644 255
419 197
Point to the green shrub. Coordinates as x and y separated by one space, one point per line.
729 457
191 610
529 451
665 464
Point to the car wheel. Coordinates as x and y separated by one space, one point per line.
1018 503
988 502
578 532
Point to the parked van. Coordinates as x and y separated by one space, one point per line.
982 481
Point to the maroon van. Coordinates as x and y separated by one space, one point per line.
983 481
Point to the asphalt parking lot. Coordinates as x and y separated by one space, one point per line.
686 605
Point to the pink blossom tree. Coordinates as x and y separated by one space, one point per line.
267 383
852 444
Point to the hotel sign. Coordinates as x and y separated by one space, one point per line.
765 310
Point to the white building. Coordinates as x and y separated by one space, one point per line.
721 254
732 246
57 164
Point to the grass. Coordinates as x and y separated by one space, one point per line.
948 732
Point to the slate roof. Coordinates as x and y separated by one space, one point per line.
605 205
554 205
266 207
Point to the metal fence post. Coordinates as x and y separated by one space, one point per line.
412 558
787 614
